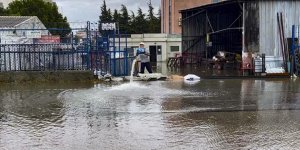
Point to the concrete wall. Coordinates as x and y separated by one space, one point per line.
164 40
38 77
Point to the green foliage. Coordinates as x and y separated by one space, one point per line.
132 24
158 23
116 16
152 21
2 11
124 19
45 11
105 13
141 22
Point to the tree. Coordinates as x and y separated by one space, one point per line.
159 20
152 21
45 11
132 24
159 14
2 12
124 19
116 16
140 22
110 18
150 11
105 13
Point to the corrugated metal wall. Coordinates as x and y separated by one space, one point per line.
194 29
222 22
261 26
251 27
269 33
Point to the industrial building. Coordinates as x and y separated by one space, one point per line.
160 46
21 29
21 39
171 17
247 28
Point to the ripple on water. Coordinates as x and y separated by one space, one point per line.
137 97
128 90
135 116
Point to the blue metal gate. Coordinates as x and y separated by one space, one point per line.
84 48
295 53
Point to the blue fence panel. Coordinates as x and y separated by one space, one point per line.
37 57
295 53
81 49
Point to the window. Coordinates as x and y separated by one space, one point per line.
174 48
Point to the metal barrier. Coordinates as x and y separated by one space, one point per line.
40 57
83 48
53 57
295 52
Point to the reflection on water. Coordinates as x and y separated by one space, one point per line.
210 114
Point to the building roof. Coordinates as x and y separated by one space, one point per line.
12 21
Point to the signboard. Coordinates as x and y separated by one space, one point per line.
81 34
108 26
48 39
33 34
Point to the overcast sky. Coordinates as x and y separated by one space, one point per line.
89 10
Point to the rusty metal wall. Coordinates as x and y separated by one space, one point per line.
251 14
194 29
269 33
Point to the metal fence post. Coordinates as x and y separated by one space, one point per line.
293 51
114 52
126 57
88 45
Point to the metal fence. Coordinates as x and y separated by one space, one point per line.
295 52
40 57
53 57
83 48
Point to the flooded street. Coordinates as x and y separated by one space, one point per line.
210 114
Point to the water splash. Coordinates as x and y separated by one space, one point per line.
132 70
134 90
132 86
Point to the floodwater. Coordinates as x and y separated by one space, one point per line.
210 114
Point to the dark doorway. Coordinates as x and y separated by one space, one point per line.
153 53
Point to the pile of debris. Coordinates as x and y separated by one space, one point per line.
224 60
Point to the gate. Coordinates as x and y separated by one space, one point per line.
82 48
295 53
